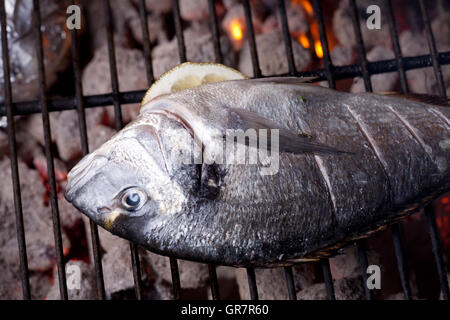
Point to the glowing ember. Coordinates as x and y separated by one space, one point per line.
318 48
304 41
306 5
445 200
236 30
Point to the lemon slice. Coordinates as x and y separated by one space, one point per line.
188 75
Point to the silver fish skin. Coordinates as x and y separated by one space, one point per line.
396 160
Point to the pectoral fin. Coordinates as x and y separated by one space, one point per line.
289 141
221 120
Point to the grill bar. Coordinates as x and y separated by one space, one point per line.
215 31
251 39
362 252
328 65
429 210
436 245
85 150
49 154
286 37
179 31
402 265
175 278
135 264
146 42
433 50
396 44
360 45
214 283
289 275
253 289
128 97
23 259
176 283
328 279
364 65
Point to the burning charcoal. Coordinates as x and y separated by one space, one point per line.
347 265
131 74
66 131
345 289
199 48
380 82
271 284
85 289
99 135
156 6
441 31
422 80
341 55
192 275
343 26
234 24
3 144
194 9
226 277
297 21
155 25
121 10
272 55
37 220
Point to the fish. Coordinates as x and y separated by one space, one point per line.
344 166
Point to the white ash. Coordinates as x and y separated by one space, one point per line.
422 80
194 9
131 75
87 286
192 275
121 11
441 31
297 20
117 271
347 265
199 48
272 55
343 26
37 221
345 289
157 6
380 82
155 26
271 282
99 134
342 56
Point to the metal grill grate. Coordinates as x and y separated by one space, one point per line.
79 102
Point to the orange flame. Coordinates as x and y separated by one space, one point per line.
306 6
236 30
304 41
318 48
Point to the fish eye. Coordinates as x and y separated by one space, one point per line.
133 199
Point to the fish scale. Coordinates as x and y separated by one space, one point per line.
371 160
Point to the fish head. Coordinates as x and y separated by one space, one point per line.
127 186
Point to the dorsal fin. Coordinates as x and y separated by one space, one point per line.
422 97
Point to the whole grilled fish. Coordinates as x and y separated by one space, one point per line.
395 158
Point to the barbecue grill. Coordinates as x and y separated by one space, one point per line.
80 102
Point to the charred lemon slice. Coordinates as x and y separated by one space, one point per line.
188 75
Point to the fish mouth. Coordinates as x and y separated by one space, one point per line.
81 174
